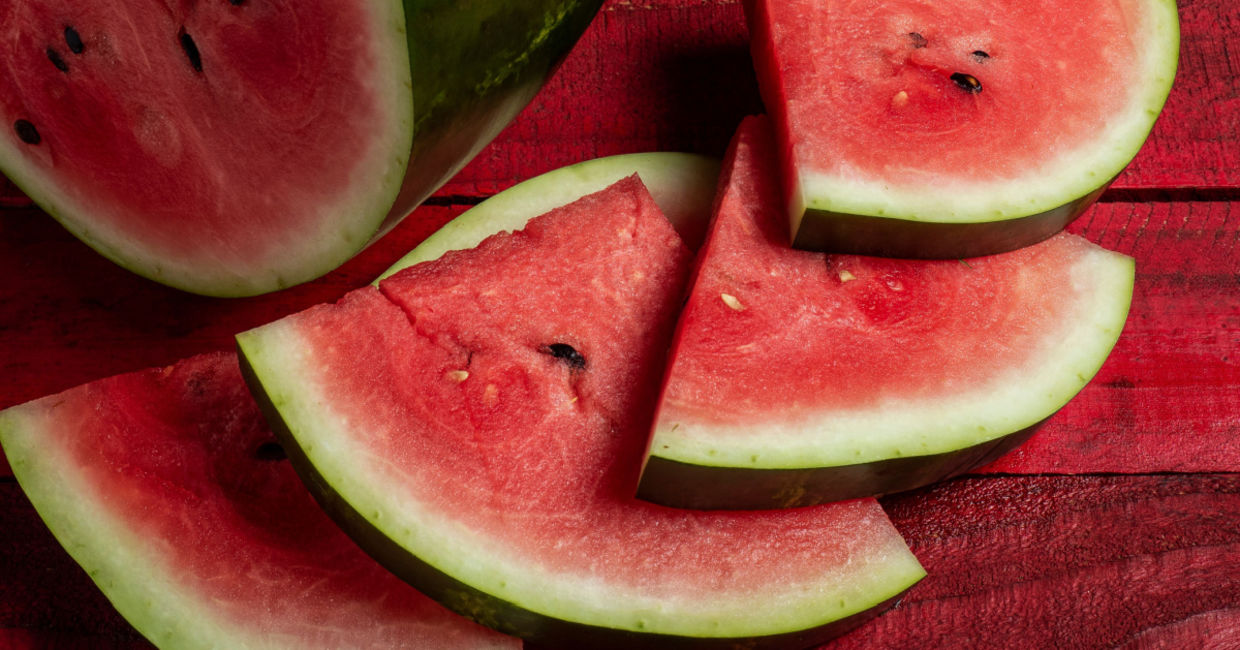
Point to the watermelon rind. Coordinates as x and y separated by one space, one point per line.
954 217
446 78
898 444
488 582
682 184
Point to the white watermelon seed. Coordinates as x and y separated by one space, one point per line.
731 301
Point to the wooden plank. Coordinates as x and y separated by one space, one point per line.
1013 562
1080 562
676 75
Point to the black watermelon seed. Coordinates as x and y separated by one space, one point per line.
919 41
967 82
26 131
271 451
980 54
54 57
235 3
191 50
568 354
74 41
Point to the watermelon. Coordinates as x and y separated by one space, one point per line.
948 128
477 422
800 377
235 148
168 488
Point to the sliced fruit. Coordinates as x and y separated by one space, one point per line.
235 148
800 377
477 422
955 129
168 488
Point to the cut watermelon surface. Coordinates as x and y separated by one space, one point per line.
955 129
478 421
168 488
235 148
800 377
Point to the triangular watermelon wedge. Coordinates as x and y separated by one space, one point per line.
238 147
477 423
955 128
801 377
168 488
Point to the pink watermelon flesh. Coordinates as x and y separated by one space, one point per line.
173 494
485 413
789 360
957 112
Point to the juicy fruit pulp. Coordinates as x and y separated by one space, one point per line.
955 129
799 377
477 423
170 491
234 148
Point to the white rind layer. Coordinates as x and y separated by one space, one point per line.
284 367
1067 359
1056 182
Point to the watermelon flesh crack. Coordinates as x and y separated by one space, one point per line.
499 478
801 377
168 488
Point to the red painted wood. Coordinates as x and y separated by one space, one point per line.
1067 562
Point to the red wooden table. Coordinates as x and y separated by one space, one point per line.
1118 524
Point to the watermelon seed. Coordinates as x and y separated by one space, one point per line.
967 82
191 50
235 3
74 41
919 41
56 60
980 55
566 353
271 451
27 132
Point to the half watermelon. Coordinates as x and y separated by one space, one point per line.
949 128
477 422
800 378
235 148
168 488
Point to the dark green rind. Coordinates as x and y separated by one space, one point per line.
686 485
475 65
835 232
510 618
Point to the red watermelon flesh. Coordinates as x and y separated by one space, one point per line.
157 133
789 363
171 492
478 422
955 112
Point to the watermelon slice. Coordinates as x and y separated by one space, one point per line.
477 422
170 491
799 377
234 148
948 128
